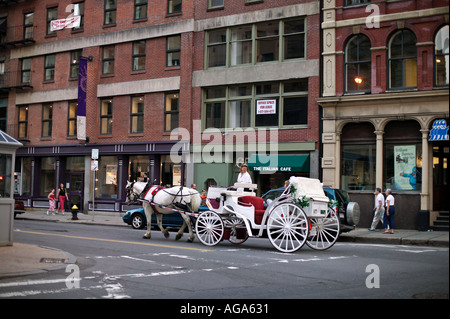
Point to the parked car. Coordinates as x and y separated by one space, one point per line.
19 207
136 218
348 211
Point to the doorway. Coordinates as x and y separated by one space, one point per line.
75 189
441 185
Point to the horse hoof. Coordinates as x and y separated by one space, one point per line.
145 237
178 237
190 240
166 234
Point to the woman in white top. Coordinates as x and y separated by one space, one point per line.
244 176
388 219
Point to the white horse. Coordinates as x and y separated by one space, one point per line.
164 197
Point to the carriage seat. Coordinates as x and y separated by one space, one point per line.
256 202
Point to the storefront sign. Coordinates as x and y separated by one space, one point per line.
266 107
405 170
439 131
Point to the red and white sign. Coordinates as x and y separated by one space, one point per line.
266 107
73 22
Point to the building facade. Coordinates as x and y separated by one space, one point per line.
240 67
385 82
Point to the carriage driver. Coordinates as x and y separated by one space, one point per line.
244 177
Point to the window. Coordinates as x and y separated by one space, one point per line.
3 113
257 43
403 60
215 4
138 168
171 110
441 57
174 6
5 174
23 121
358 146
52 14
28 26
49 67
107 177
138 55
47 115
173 50
355 2
74 63
72 119
78 10
357 64
106 117
217 48
278 104
267 41
137 114
110 12
140 9
108 59
25 76
47 175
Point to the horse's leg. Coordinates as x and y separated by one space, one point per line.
187 221
148 214
182 228
164 231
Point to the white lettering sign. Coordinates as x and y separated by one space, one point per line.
266 107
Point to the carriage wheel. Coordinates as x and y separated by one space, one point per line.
324 231
237 225
287 227
209 228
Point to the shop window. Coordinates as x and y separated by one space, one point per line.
75 164
107 177
402 60
441 57
170 172
358 157
47 176
402 167
357 64
22 176
138 168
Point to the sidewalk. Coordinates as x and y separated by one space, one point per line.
21 259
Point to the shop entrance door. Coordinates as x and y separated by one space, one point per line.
75 189
441 185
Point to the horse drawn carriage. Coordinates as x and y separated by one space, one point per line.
301 215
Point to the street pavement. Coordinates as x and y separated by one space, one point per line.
23 259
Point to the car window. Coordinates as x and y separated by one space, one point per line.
344 195
329 193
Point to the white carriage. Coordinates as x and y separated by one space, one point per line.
300 215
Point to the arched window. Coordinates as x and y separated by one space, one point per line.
441 58
403 60
357 64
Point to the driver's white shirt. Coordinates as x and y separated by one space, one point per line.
244 178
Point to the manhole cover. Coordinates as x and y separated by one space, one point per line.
53 260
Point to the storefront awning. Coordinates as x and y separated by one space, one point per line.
279 163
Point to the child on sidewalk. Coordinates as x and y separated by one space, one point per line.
51 202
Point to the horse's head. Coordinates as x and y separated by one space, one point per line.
132 196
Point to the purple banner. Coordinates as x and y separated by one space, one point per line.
81 107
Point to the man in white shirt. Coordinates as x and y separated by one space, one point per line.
244 177
378 210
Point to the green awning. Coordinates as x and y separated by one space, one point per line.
279 163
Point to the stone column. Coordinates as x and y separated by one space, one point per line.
379 160
425 194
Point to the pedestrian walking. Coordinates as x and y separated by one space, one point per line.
61 196
388 219
378 209
51 202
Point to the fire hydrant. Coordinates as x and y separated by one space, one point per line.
75 212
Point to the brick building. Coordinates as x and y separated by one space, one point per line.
385 82
153 67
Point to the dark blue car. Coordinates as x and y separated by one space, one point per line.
136 218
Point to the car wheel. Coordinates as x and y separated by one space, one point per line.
353 213
137 221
